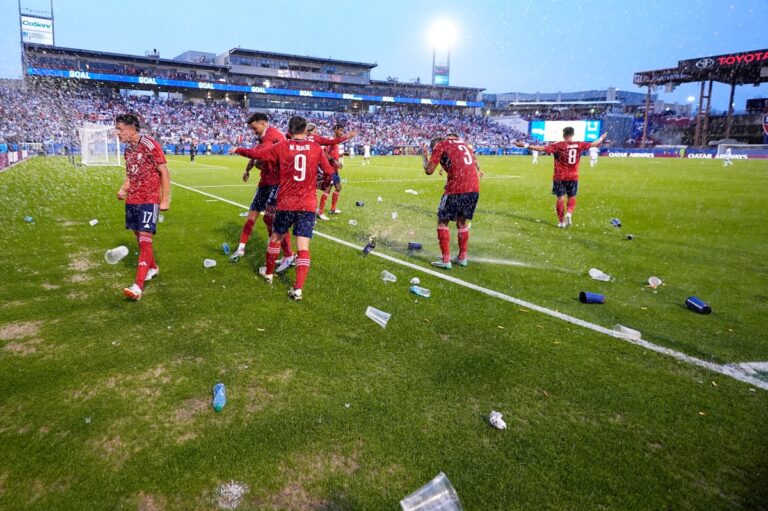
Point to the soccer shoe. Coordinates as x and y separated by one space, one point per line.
561 225
335 212
133 292
285 263
441 264
263 273
460 262
323 216
152 273
295 294
567 222
237 255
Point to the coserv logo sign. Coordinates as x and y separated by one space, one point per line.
36 30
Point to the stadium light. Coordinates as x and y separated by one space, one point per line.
443 34
691 99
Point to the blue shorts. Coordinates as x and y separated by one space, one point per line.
265 196
141 217
336 178
454 206
561 188
303 222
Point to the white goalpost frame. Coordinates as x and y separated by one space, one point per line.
741 151
99 145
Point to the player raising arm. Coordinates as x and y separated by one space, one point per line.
565 181
146 188
298 160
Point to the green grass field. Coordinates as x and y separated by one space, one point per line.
105 404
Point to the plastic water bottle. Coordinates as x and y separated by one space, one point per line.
369 247
219 396
421 291
225 248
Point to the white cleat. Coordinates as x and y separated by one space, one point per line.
567 222
323 216
335 211
561 225
133 293
237 255
152 273
286 263
296 294
263 273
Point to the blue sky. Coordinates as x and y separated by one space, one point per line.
503 46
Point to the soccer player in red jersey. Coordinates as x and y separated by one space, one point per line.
298 160
266 192
146 188
565 182
333 180
462 191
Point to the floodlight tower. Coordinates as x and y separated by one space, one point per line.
442 36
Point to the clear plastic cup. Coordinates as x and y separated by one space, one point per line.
654 282
209 263
627 332
114 255
388 277
379 317
436 495
93 222
598 275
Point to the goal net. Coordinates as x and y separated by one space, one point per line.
99 145
742 151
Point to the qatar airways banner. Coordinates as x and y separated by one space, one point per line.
185 84
737 153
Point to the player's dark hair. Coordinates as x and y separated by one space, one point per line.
338 127
454 135
297 125
257 116
128 120
568 132
435 141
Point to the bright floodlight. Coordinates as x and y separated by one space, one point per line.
691 99
443 34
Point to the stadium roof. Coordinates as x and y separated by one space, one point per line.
424 85
43 48
273 55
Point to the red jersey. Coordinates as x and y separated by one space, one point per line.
460 164
269 172
298 161
567 156
141 162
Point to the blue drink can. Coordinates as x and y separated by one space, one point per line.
697 305
586 297
414 246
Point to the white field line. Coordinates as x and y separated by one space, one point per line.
177 163
366 181
731 370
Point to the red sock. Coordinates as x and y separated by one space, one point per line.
463 241
273 250
302 268
247 230
560 209
323 200
571 204
285 244
334 200
269 219
146 259
444 237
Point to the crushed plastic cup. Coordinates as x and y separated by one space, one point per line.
394 215
160 218
627 332
598 275
437 495
114 255
352 221
379 199
244 213
388 277
379 317
496 420
29 219
415 281
209 263
654 282
93 222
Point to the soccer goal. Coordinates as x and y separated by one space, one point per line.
742 151
99 145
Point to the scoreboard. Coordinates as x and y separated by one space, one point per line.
552 131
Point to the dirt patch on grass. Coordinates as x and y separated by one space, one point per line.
282 377
112 449
149 502
77 295
3 477
22 348
20 330
69 223
138 385
48 286
294 496
256 399
188 410
186 437
79 278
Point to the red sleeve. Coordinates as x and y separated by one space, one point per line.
550 148
437 154
330 141
262 152
324 163
583 146
158 154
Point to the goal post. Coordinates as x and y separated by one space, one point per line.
99 145
741 151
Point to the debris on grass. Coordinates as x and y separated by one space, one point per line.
496 420
229 495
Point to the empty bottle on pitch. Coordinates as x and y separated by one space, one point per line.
219 397
421 291
369 247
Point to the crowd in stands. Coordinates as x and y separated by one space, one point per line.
53 115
